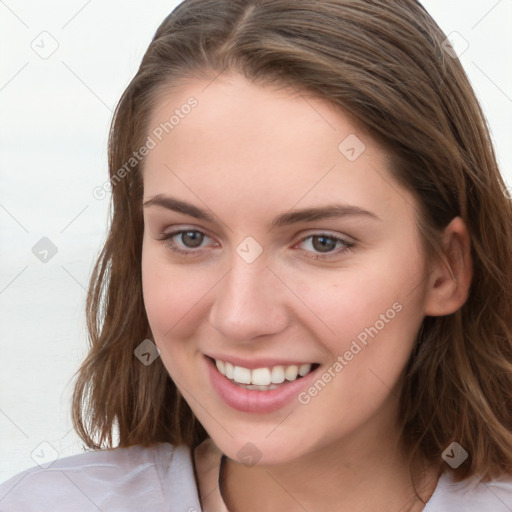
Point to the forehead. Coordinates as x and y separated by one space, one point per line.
254 146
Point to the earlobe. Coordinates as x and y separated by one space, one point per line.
451 275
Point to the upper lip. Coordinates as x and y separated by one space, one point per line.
251 364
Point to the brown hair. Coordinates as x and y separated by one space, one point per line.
386 66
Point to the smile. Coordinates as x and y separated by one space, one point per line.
264 388
262 379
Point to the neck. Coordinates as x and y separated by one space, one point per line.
366 472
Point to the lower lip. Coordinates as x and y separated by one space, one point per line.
254 401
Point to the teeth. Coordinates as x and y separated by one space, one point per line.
242 375
260 388
304 369
277 376
229 370
220 366
291 372
261 378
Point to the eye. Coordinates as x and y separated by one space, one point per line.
185 241
325 245
190 241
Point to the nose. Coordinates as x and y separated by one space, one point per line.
250 302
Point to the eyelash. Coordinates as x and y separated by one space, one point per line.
167 239
348 246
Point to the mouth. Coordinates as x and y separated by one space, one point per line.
260 389
264 378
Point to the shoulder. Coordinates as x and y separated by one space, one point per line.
121 479
471 495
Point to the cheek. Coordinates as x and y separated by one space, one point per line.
353 302
374 330
369 322
167 302
175 298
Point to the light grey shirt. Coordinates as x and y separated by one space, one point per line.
161 478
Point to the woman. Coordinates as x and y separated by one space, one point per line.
304 299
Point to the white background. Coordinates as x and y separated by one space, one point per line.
54 119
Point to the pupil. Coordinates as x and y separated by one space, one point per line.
323 243
192 238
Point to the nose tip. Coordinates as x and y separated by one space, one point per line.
249 303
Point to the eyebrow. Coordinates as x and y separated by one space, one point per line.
292 217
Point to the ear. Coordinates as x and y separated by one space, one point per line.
451 274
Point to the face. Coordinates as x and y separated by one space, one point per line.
283 275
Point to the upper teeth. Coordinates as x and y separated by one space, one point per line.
262 376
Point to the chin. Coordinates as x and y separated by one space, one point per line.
254 446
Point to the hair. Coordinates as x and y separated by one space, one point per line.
388 68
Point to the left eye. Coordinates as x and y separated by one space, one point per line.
191 239
323 243
184 240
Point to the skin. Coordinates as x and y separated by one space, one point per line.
246 154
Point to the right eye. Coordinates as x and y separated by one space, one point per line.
185 241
